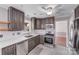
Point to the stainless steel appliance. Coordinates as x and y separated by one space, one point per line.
49 36
77 44
76 35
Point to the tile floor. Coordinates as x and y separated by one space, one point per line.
47 49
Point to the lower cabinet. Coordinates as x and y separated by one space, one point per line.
33 42
42 39
16 49
22 48
37 40
10 50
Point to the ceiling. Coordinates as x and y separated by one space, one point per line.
60 11
64 11
31 10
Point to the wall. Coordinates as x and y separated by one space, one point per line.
27 20
61 26
3 17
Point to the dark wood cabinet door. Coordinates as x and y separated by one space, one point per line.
77 12
18 17
38 25
41 23
33 42
37 40
10 50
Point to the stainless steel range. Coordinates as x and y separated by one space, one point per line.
49 37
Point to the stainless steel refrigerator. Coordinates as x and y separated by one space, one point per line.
76 35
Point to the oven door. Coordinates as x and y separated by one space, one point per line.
48 40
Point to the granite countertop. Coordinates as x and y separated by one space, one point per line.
8 40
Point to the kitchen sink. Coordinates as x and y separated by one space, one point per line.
28 35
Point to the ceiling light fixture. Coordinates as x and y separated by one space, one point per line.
49 13
49 10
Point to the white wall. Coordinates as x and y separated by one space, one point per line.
3 17
61 26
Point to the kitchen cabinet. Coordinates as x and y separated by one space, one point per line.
33 42
76 26
10 50
77 12
40 23
37 40
18 17
36 23
22 48
42 39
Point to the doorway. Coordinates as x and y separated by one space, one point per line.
61 33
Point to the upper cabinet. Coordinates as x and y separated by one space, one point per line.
77 12
11 20
16 16
40 23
